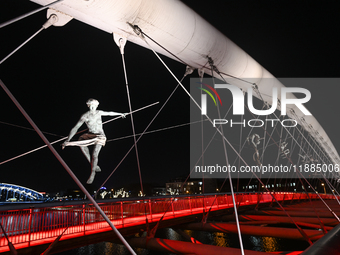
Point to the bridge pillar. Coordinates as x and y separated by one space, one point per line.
172 205
84 218
216 201
30 227
122 212
150 209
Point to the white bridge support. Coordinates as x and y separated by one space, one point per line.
190 38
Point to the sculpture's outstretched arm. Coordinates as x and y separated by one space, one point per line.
103 113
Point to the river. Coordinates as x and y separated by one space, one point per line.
265 244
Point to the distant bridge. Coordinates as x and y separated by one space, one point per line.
31 230
10 192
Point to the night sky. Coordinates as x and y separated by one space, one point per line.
54 74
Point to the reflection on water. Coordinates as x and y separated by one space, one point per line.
170 234
265 244
221 240
270 244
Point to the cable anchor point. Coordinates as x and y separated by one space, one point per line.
120 41
51 20
188 70
213 67
138 31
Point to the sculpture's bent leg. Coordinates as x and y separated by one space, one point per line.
86 152
94 163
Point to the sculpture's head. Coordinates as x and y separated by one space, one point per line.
93 102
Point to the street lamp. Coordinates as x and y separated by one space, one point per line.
324 188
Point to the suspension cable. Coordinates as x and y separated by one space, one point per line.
31 151
239 151
28 14
156 130
121 46
175 56
264 138
52 19
27 128
201 75
227 161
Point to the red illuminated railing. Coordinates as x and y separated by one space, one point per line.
28 226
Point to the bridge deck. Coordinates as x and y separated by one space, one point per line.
39 226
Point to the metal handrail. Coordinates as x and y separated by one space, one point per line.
26 225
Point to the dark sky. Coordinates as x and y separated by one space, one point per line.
54 74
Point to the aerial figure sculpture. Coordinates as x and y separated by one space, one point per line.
95 135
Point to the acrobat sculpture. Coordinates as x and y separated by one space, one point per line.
95 135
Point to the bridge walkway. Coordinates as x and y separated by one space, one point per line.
27 228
